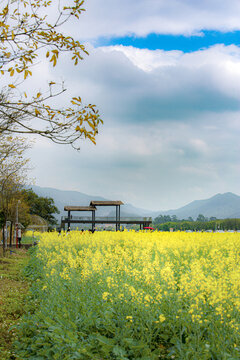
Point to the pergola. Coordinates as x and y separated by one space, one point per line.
142 222
80 208
116 203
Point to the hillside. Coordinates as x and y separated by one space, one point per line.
221 206
65 197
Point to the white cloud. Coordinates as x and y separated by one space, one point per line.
141 17
145 59
133 85
200 145
171 132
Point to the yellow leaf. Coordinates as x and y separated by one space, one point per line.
47 54
12 86
77 128
38 95
37 112
91 125
55 52
53 60
12 72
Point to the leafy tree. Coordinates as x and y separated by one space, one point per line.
212 218
174 218
201 218
161 219
29 30
42 206
13 171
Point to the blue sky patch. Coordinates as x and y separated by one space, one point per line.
174 42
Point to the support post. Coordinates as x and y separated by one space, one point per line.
16 224
16 230
69 214
10 244
118 217
93 220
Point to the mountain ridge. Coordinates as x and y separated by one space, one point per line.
226 205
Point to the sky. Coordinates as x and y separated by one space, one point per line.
165 76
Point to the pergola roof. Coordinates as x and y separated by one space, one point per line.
106 203
79 208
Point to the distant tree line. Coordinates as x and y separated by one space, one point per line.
167 222
162 219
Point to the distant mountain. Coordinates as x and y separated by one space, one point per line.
66 197
221 206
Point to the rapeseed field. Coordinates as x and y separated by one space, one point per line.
134 295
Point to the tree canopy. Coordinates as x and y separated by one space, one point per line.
28 31
13 173
42 206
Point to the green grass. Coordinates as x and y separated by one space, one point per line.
13 289
29 239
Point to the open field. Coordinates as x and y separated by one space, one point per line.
13 289
129 295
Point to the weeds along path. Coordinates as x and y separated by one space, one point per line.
13 289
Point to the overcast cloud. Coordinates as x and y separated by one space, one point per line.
171 127
171 119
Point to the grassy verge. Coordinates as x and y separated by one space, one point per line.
13 289
29 238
